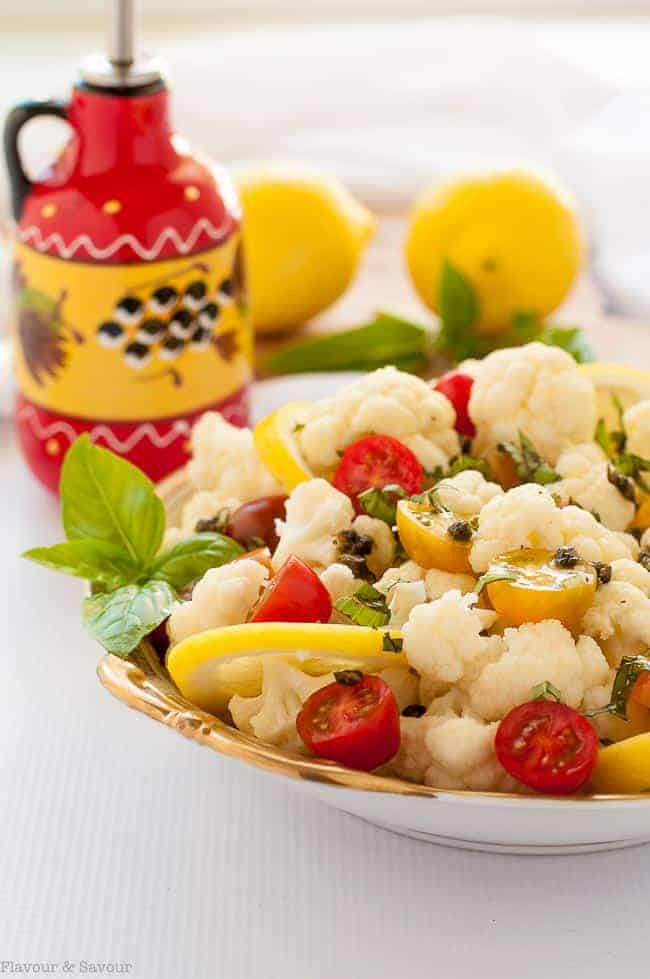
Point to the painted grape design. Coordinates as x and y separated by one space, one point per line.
159 321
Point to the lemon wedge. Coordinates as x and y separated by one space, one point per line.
275 441
629 384
211 667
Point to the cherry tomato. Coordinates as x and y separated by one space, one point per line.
295 594
377 460
640 693
356 725
457 388
548 746
255 521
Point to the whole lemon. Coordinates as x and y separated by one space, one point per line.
513 235
304 234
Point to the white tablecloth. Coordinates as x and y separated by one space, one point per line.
122 843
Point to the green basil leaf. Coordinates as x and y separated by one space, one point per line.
387 339
461 463
392 644
95 560
490 576
569 338
366 607
545 689
191 558
458 303
530 466
107 498
382 503
120 619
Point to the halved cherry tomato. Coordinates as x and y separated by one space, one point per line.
376 461
457 388
295 594
547 745
356 725
255 521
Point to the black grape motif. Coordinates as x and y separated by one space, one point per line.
159 321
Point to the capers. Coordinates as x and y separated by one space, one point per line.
566 557
644 558
603 572
460 530
414 710
623 483
349 678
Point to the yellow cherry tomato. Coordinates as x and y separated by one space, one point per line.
540 588
432 538
624 766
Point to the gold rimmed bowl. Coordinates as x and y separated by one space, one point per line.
474 820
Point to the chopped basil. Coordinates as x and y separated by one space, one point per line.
530 466
629 671
366 607
625 467
490 576
545 689
382 503
392 644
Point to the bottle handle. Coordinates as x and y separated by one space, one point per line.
19 182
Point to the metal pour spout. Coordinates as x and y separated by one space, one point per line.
122 68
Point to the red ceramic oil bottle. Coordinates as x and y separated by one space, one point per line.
130 311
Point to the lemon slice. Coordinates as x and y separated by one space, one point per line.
211 667
275 441
628 384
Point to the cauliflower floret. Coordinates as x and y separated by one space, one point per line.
388 401
339 581
584 479
633 573
223 596
619 617
533 653
592 540
467 493
271 716
437 583
637 426
383 542
443 641
402 597
224 460
450 752
533 389
525 516
201 506
316 514
409 571
403 683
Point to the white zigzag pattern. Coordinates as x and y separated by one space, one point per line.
32 235
180 429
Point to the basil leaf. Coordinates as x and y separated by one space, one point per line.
458 303
387 339
120 619
461 463
490 576
530 466
191 558
95 560
382 503
392 644
569 338
545 689
107 498
366 607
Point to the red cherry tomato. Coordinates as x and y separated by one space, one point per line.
377 460
295 594
457 388
255 521
548 746
356 725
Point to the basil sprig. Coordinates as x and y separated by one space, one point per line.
114 523
530 466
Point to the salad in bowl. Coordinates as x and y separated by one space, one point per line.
445 583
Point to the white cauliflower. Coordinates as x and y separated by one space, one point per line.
525 516
339 581
437 583
402 597
202 505
383 542
271 716
403 683
467 493
386 401
584 469
636 421
533 389
619 617
223 596
633 573
592 540
316 514
450 752
409 571
224 460
531 654
443 641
